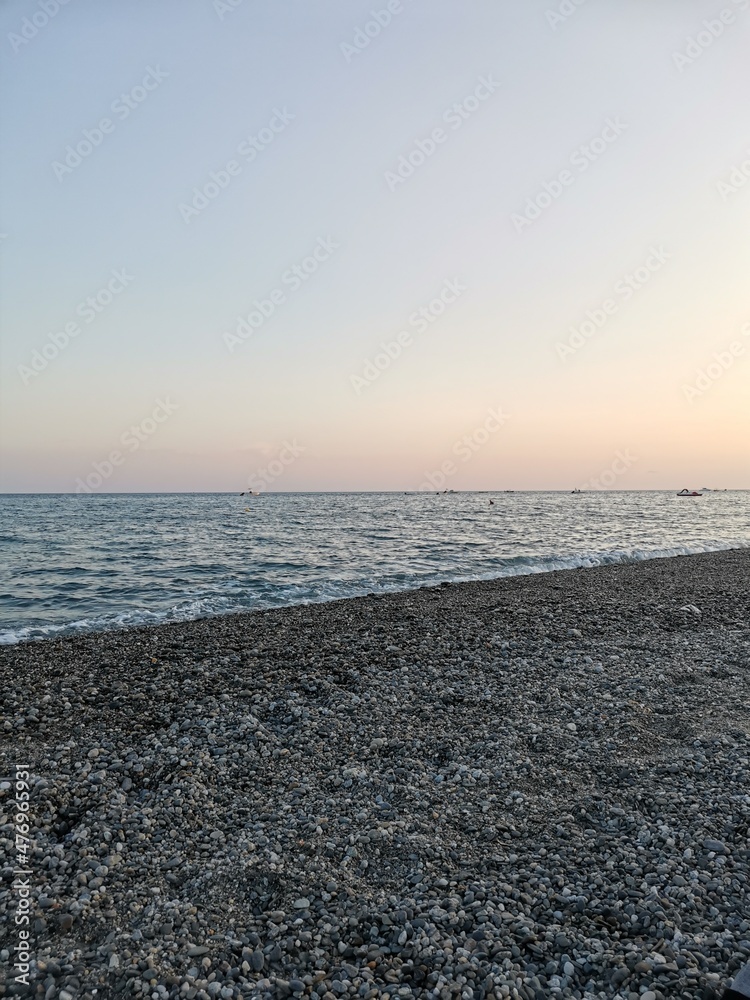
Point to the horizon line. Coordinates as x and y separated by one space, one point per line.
395 492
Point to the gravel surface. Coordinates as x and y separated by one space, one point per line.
534 787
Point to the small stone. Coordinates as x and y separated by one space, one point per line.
714 845
302 903
197 950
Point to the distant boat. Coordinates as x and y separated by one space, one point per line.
576 491
689 493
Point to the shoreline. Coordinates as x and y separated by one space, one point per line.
529 787
550 565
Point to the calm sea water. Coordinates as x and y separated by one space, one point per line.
78 563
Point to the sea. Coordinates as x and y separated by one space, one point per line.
79 563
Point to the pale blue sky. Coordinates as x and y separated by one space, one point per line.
324 176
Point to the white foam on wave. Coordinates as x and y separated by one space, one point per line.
187 611
324 591
615 556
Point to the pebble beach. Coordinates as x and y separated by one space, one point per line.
534 787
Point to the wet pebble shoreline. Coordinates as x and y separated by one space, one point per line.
530 788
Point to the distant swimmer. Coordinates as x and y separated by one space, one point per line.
492 503
250 493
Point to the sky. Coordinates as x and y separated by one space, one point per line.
374 245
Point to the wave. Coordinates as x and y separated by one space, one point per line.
322 591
